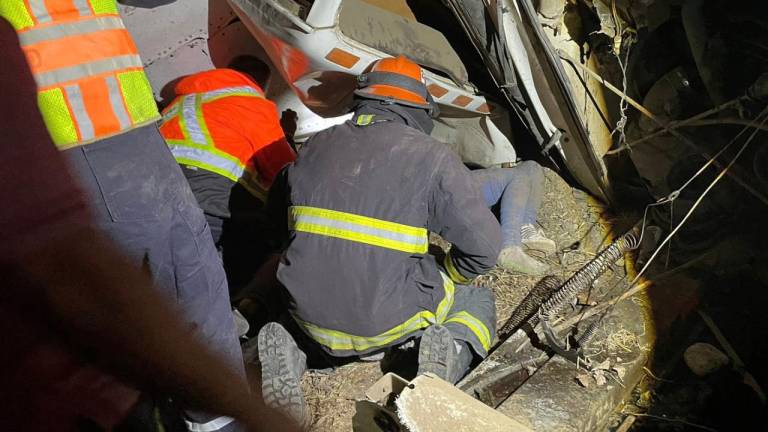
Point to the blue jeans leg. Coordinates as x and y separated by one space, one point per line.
517 191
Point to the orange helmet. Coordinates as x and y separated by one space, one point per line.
397 80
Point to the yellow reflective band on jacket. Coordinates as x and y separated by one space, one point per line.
475 325
340 341
198 149
356 228
452 272
364 119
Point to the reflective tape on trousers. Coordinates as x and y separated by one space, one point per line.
341 341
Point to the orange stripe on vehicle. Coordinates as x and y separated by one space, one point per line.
342 58
97 104
46 56
462 101
436 91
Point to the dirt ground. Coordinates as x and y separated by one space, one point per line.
568 216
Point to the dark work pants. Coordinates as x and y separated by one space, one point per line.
141 200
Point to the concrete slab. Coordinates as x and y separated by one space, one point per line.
553 400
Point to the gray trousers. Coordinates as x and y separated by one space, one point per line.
141 200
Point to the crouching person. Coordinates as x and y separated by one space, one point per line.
360 201
227 138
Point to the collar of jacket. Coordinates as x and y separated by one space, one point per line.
413 117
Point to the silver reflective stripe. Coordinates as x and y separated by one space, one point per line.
362 229
216 424
73 73
230 90
210 161
116 100
83 7
189 111
37 35
83 120
38 9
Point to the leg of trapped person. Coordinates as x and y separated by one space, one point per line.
510 189
532 236
448 349
141 200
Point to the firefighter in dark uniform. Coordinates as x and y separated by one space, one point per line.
361 199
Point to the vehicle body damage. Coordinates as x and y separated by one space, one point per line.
516 76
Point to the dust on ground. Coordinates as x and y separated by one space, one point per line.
568 216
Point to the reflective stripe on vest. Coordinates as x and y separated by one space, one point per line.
340 341
361 229
198 148
91 84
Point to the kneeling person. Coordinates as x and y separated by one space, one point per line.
227 138
361 199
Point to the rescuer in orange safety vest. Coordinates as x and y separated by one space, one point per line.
228 140
99 109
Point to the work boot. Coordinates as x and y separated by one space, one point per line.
534 238
443 356
515 259
282 364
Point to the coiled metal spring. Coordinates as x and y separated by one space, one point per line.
526 311
587 275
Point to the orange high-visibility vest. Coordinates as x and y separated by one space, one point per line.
91 83
221 122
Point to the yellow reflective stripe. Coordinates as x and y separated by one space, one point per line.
361 229
138 95
446 303
364 119
475 325
452 272
56 115
341 341
16 13
104 7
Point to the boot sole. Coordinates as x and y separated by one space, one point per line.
280 387
436 352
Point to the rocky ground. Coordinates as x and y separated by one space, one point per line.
570 217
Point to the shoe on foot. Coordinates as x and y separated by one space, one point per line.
282 364
534 238
514 259
442 356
